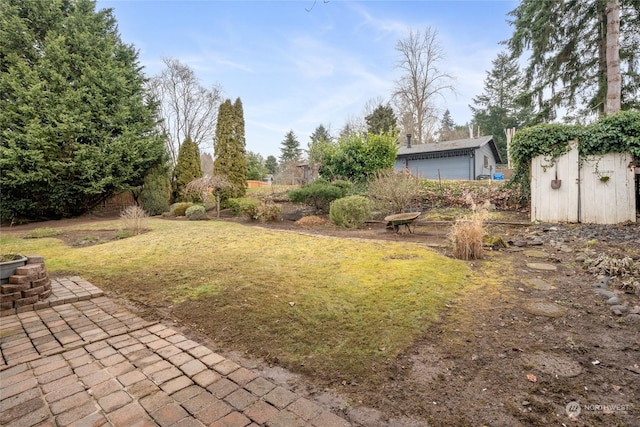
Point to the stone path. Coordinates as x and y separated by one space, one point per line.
82 360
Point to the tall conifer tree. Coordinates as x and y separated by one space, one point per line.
497 108
187 168
229 148
568 42
74 124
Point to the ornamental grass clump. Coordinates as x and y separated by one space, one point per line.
134 218
467 235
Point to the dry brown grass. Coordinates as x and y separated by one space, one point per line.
312 221
467 235
134 218
350 298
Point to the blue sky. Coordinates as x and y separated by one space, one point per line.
295 69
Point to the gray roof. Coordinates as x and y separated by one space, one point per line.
458 144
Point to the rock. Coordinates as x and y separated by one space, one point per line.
633 318
541 266
555 365
536 254
518 243
635 309
544 308
605 293
538 284
536 242
619 309
615 300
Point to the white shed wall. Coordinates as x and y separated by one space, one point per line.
583 196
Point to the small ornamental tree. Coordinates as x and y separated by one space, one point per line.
188 167
207 189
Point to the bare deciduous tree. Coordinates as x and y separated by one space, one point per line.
187 109
422 80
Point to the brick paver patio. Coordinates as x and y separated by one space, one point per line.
79 359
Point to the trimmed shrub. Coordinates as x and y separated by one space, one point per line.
319 194
350 212
180 209
267 211
196 212
345 186
254 209
245 206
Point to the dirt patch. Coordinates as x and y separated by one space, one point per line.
517 352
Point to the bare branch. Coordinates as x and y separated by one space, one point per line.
421 82
187 108
314 5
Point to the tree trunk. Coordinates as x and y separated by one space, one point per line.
614 77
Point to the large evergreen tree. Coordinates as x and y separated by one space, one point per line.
497 108
290 150
74 124
318 139
187 168
567 42
229 148
447 127
272 164
382 120
256 169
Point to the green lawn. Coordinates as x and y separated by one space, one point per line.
334 308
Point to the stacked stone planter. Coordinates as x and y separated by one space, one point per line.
27 286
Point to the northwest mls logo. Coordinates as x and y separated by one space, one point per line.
572 409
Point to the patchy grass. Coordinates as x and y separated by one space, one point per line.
337 309
39 233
